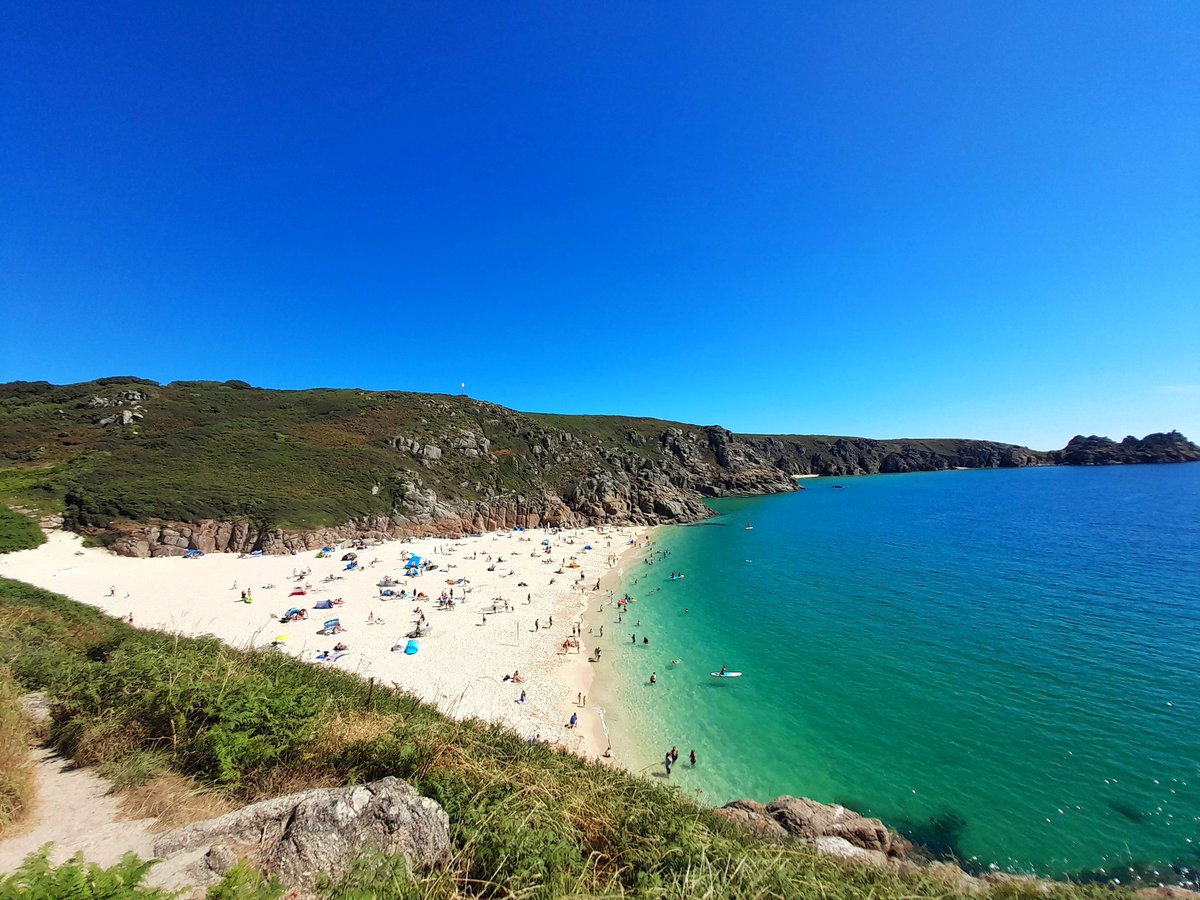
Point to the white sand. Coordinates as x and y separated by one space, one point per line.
460 665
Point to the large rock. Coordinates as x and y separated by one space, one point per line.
302 835
840 848
754 816
809 819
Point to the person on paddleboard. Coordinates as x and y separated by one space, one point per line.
723 670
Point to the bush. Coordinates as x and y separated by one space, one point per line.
38 879
18 532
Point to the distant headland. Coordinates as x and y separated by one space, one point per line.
150 469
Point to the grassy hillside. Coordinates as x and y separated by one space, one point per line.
289 458
526 821
125 449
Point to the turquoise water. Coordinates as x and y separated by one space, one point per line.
1003 663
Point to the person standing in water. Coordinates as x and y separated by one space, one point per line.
653 678
692 757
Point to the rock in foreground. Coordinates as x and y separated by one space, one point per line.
318 832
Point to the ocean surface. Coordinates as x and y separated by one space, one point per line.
1003 664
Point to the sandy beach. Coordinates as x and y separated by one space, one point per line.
520 597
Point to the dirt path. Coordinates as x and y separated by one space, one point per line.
74 810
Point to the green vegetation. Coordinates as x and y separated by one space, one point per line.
16 776
276 458
18 532
124 449
526 820
38 879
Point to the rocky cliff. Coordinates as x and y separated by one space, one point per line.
158 469
1169 447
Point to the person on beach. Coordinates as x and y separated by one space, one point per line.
574 720
521 699
112 591
667 761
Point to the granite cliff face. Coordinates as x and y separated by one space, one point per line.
1169 447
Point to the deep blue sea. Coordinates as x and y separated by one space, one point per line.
1004 664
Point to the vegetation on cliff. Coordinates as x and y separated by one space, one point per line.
526 820
18 531
128 450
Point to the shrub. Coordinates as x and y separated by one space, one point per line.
38 879
18 532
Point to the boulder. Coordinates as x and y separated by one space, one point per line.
809 819
321 831
754 816
840 848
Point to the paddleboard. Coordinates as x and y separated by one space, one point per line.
726 675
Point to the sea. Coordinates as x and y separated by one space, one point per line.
1003 665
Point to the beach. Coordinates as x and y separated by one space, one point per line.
520 597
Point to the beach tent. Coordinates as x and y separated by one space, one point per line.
587 546
545 543
349 556
298 592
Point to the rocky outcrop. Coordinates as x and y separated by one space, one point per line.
832 829
814 455
317 832
1161 447
423 515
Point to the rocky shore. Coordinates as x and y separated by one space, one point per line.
648 482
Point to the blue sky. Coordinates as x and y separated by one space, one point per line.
911 219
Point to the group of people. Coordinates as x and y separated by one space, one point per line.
672 756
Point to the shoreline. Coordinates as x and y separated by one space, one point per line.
519 597
583 677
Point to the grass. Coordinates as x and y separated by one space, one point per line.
16 772
302 459
526 820
18 532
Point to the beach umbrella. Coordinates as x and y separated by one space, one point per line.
545 543
279 639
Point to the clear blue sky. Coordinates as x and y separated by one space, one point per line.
914 219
